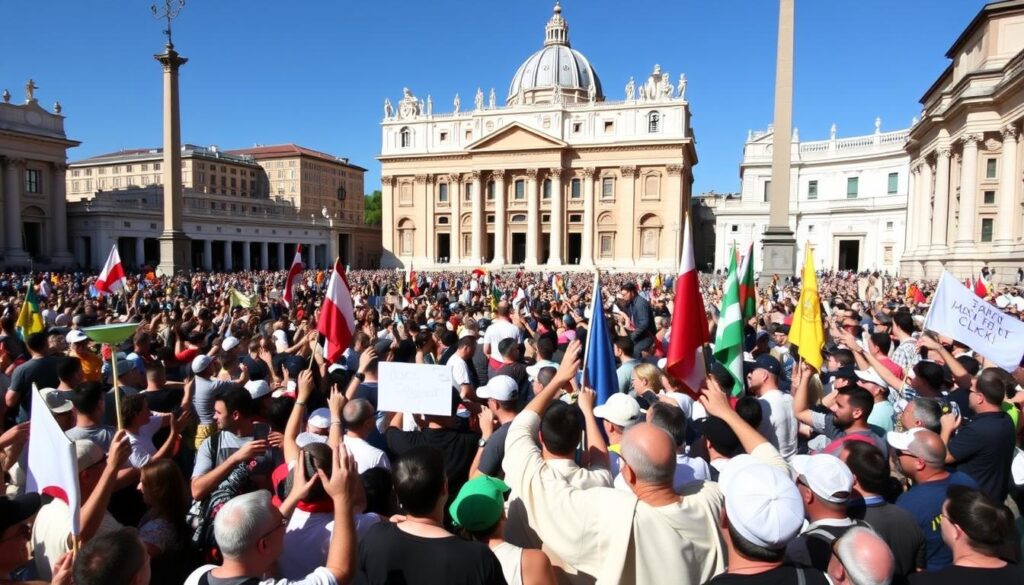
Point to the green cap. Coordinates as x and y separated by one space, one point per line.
479 503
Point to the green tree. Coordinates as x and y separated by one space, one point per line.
372 209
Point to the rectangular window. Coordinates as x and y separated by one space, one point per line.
990 168
442 192
234 182
810 229
490 218
851 187
546 194
128 168
576 127
888 226
33 181
444 137
609 127
894 180
735 228
986 229
607 245
520 190
608 188
145 167
490 191
812 189
989 197
575 218
575 188
767 190
467 192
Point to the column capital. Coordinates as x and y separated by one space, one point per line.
454 177
943 152
627 171
970 140
474 175
588 172
14 162
498 174
555 173
170 59
531 174
916 167
420 179
387 180
674 170
1009 132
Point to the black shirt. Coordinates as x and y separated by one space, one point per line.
983 449
954 575
457 446
387 555
784 575
898 528
813 548
42 372
164 399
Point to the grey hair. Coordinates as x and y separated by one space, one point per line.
242 522
860 562
647 471
928 411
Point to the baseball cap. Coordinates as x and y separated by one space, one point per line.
382 347
307 438
16 510
719 434
871 376
763 362
200 363
87 453
76 336
762 502
229 343
320 418
619 409
501 388
56 401
479 504
257 388
827 476
904 441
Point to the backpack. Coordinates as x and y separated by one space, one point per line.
202 513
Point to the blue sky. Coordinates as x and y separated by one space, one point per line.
316 72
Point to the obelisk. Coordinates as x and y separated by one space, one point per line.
779 246
174 244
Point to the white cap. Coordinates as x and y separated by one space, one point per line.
75 336
257 388
871 376
56 401
827 476
320 418
902 441
762 502
305 438
619 409
501 388
229 343
200 363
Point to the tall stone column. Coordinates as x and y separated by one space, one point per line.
968 192
140 251
264 255
532 217
246 256
779 245
430 233
14 251
310 258
59 255
924 234
557 221
500 216
208 255
387 218
174 244
587 257
628 247
455 204
229 261
478 218
676 200
913 205
280 254
1008 210
940 218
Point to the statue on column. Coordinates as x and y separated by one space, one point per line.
430 105
457 103
832 132
878 125
491 99
630 89
643 94
478 101
665 88
7 97
30 91
682 86
592 92
388 109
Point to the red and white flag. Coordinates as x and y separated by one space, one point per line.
337 322
414 281
52 464
293 276
112 277
981 287
689 333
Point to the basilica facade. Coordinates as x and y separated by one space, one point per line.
555 176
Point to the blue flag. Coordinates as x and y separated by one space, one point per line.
599 369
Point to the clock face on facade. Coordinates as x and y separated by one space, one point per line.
342 193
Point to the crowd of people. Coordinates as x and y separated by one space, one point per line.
235 454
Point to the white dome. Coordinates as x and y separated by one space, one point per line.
555 70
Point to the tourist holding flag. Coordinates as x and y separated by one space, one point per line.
598 358
748 289
729 335
294 273
337 320
807 332
112 278
689 332
30 318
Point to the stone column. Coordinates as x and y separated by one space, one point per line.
478 218
532 216
455 204
14 252
387 216
174 246
940 219
430 233
913 205
924 234
1004 236
310 258
208 255
140 251
59 254
246 258
587 254
280 254
968 191
557 221
229 261
675 201
628 247
500 216
264 255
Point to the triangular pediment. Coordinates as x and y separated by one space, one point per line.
515 136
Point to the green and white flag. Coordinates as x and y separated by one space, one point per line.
729 335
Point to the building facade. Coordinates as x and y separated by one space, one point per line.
847 201
966 162
242 210
33 155
555 176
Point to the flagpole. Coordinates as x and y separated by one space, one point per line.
117 386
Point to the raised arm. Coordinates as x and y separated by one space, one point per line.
801 408
566 372
597 447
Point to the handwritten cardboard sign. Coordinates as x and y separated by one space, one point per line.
414 388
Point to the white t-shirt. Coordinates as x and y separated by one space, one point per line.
308 538
778 423
143 448
320 576
498 331
367 456
50 534
460 371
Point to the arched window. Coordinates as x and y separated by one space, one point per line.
654 122
650 236
443 220
518 218
405 136
406 229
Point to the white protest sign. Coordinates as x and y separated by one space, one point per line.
414 388
959 313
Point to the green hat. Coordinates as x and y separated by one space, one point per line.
479 503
